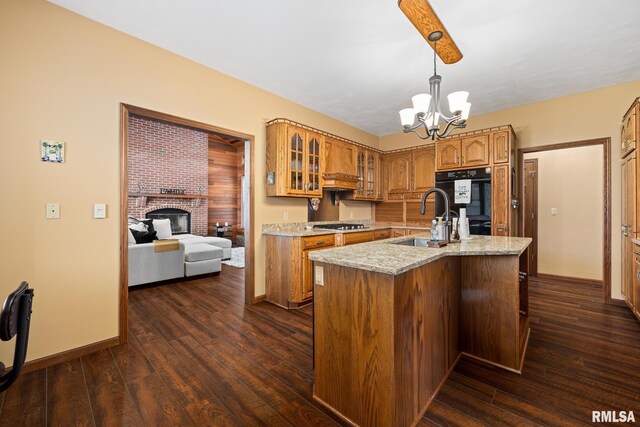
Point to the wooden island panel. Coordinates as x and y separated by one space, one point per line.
385 344
388 342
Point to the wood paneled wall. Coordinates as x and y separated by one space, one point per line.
224 183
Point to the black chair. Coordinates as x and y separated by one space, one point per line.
15 319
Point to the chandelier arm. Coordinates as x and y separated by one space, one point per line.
429 135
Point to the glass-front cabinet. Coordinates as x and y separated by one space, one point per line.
367 167
294 161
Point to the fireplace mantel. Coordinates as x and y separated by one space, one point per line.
169 196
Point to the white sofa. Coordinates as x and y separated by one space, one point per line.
196 255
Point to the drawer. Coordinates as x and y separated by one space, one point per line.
395 196
382 234
352 238
318 241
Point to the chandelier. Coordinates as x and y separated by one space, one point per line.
426 111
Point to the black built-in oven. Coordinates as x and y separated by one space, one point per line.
479 210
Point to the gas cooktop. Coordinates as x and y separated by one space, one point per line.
339 226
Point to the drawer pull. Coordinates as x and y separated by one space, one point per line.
320 243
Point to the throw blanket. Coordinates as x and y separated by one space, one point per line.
166 245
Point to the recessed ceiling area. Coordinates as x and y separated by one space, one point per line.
360 61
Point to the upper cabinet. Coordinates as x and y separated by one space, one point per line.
475 151
628 135
500 147
368 174
410 173
397 167
295 161
468 152
423 169
448 154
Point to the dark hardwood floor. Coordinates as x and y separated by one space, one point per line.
199 356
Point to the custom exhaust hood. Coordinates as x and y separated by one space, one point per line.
340 182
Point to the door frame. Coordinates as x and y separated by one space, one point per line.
534 232
125 111
606 194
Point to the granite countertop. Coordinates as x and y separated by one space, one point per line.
386 257
297 229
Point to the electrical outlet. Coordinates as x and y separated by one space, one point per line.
53 211
350 215
319 272
286 216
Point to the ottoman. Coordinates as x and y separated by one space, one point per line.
202 258
190 239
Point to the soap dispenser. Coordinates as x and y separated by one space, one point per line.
440 228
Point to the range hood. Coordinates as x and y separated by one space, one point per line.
340 181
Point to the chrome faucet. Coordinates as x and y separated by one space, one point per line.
445 216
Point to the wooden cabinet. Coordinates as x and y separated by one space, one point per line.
468 152
629 225
343 239
629 129
630 262
500 196
500 147
475 151
409 173
636 282
382 234
448 154
294 161
423 169
288 270
399 175
368 173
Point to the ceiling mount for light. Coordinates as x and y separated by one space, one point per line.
422 16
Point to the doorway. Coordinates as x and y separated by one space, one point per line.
530 209
564 172
242 143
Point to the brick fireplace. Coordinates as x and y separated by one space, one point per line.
163 155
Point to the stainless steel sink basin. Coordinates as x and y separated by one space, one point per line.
419 243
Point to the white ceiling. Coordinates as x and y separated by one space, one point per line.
360 61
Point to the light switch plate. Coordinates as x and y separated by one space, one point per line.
99 210
319 273
554 211
53 211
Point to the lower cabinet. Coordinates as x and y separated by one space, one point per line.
288 270
635 291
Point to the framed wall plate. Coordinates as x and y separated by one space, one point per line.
52 151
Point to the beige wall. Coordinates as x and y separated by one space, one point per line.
63 77
578 117
570 242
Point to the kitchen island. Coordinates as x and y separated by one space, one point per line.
391 320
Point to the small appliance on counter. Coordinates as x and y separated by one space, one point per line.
339 226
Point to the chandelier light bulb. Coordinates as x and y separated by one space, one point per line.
421 103
407 117
457 101
465 111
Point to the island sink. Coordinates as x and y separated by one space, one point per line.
418 243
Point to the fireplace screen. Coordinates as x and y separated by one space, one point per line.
180 219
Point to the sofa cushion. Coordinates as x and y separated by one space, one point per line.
163 227
201 252
144 236
132 240
149 224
